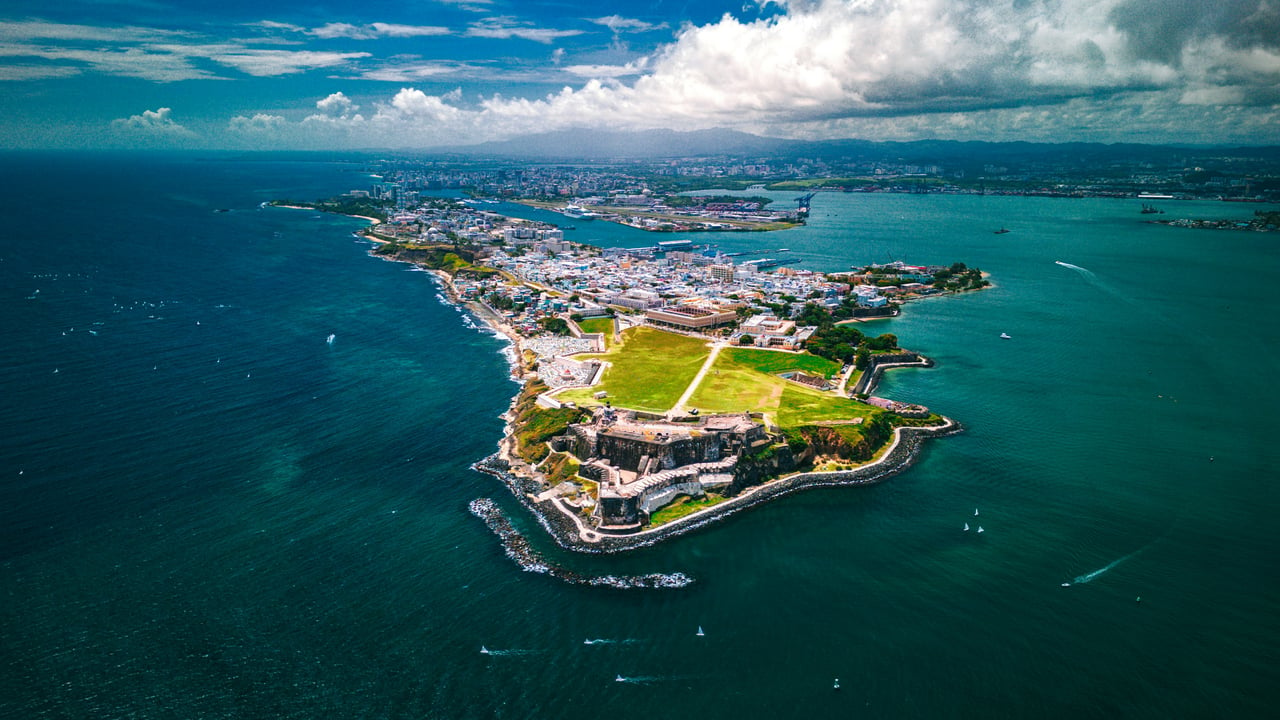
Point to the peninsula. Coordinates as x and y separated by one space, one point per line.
666 387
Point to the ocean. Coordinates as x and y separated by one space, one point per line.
209 510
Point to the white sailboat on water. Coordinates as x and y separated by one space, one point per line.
700 633
980 529
966 527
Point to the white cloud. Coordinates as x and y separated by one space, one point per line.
505 27
155 123
618 24
36 72
337 106
605 71
376 30
408 72
24 30
270 63
259 123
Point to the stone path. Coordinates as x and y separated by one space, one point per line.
697 379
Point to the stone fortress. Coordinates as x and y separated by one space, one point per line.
641 465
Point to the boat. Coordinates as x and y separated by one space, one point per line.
700 633
1002 231
1151 210
966 527
1066 584
1003 336
836 685
484 650
980 529
619 679
330 338
975 512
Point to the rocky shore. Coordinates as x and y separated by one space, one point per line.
518 549
567 534
559 521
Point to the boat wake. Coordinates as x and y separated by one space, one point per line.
1089 577
638 679
607 641
504 653
1077 268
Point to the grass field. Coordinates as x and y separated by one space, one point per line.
650 371
747 379
599 325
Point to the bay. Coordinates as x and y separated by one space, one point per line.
210 511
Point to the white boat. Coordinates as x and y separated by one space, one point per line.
330 338
484 650
1066 584
966 527
1006 336
975 512
980 529
836 685
619 679
700 633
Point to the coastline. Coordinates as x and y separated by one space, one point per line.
567 532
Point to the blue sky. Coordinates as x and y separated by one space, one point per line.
448 73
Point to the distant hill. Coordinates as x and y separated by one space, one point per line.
603 145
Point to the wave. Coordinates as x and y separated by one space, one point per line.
518 549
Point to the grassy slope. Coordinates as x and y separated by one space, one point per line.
651 369
599 325
746 379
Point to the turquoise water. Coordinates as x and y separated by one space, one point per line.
209 511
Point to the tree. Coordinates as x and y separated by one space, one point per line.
862 359
746 340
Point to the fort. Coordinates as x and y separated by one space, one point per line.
640 467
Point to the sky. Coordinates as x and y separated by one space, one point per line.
443 74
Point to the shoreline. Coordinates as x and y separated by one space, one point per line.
569 533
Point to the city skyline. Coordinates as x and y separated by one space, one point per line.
138 74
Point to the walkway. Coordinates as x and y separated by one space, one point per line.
697 379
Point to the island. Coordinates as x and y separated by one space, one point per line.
666 387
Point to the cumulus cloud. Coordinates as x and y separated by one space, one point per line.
156 123
337 106
259 123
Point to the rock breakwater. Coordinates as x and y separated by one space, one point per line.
518 549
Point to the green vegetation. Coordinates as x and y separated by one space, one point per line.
745 379
682 506
455 261
554 325
535 425
602 325
650 371
801 405
559 467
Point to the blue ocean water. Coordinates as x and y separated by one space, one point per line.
208 510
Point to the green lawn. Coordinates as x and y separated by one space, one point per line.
682 506
650 371
747 379
599 325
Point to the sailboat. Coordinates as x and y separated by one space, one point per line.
980 529
619 679
975 512
484 650
966 527
700 633
836 686
330 338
